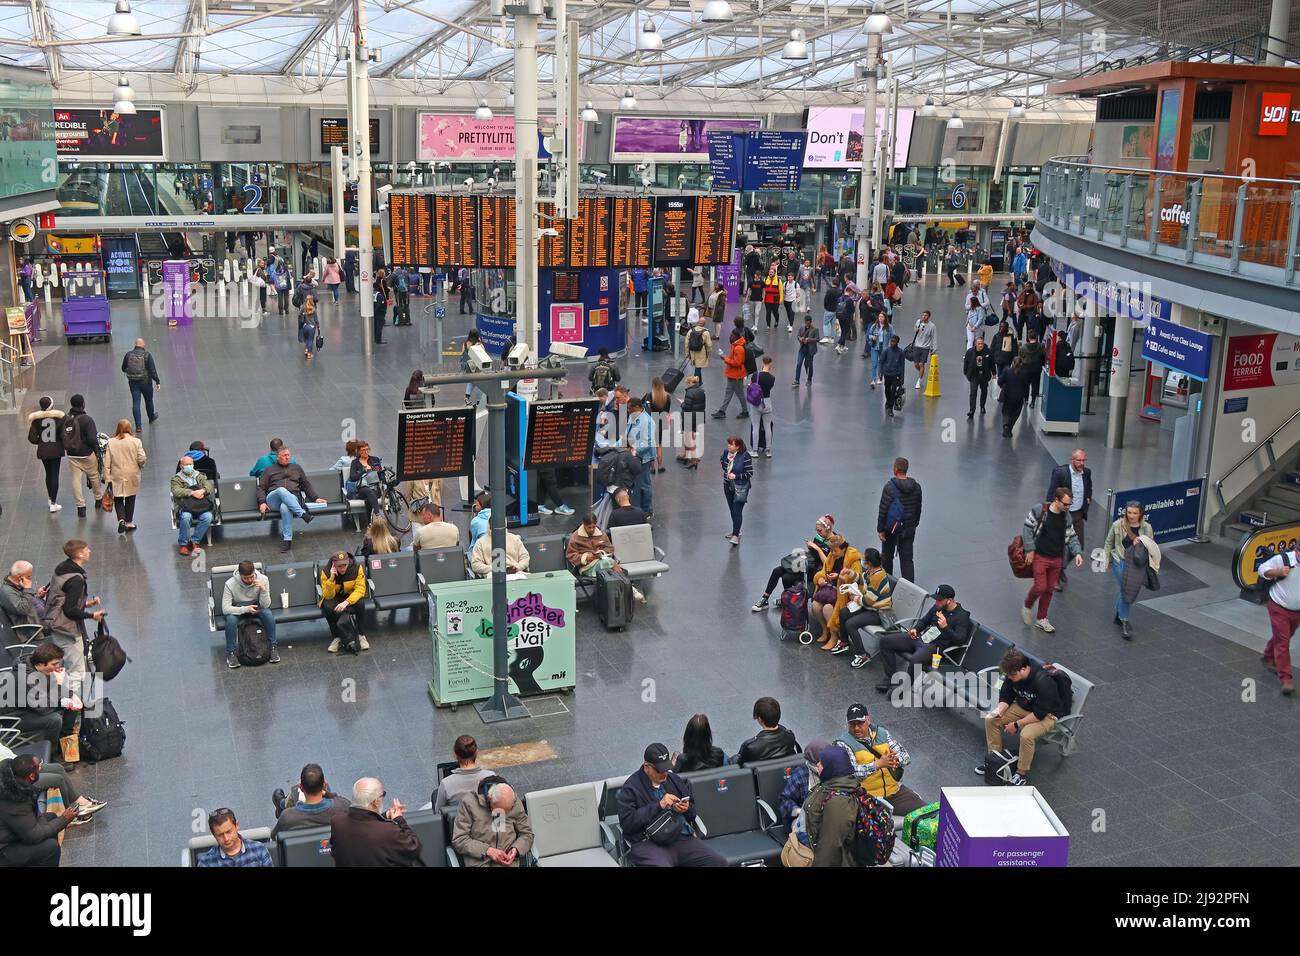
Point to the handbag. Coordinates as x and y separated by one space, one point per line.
825 594
106 500
1153 579
795 853
910 353
106 652
320 340
70 747
1016 557
740 491
663 829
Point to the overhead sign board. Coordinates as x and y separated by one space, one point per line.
1179 348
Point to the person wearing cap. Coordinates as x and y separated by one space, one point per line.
342 588
947 624
772 740
831 811
432 531
878 760
817 547
646 794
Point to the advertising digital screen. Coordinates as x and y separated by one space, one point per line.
561 433
835 136
674 236
334 132
715 230
410 229
459 136
435 443
589 235
667 139
633 227
121 266
86 134
496 221
455 231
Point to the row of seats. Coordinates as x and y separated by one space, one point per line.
236 502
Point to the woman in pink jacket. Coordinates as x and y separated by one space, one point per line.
333 276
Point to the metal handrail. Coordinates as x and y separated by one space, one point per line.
1108 167
1267 445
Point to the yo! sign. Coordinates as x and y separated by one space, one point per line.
1274 112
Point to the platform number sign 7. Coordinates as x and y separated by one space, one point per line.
253 205
1031 196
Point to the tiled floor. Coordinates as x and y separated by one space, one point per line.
1178 763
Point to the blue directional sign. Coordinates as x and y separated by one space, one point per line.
1179 348
724 160
770 160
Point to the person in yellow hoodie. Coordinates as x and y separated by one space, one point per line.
871 603
342 588
843 566
878 760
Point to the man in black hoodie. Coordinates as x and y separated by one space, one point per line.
978 369
66 613
772 740
27 836
898 533
80 440
1029 704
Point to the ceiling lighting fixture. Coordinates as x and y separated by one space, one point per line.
879 21
717 11
649 41
484 112
1017 111
124 97
628 102
123 22
955 122
928 109
588 114
510 99
796 48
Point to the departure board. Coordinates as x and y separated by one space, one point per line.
715 220
436 443
561 433
568 287
589 235
674 242
633 223
552 251
334 132
497 232
455 231
410 229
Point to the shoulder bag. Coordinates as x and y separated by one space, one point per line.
910 353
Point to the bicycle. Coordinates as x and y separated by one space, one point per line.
394 504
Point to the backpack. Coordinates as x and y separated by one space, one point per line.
70 437
894 513
349 637
754 394
102 737
254 647
106 652
601 377
281 282
873 832
794 608
844 308
299 296
752 351
1064 688
399 281
137 365
695 341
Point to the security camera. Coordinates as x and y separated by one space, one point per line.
641 167
443 165
646 181
599 176
518 356
479 359
548 231
384 190
496 172
567 351
681 180
469 181
492 182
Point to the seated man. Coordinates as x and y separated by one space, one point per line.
516 557
342 589
27 836
203 461
617 468
482 511
49 712
870 603
367 835
247 593
947 624
16 598
464 779
231 849
316 805
492 828
432 531
590 550
1030 704
644 797
53 776
267 460
625 513
281 486
878 760
772 740
194 495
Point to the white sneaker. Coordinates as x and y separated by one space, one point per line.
1043 624
334 646
365 644
54 507
1027 615
638 595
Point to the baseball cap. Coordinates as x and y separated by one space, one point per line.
944 592
657 756
339 556
856 712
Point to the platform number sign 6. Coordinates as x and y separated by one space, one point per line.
253 205
1031 194
958 198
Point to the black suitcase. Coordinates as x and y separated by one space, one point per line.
672 378
614 599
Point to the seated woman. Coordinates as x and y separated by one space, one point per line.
698 752
843 566
379 539
365 472
413 397
816 548
344 464
872 603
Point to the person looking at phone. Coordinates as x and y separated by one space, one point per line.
878 760
947 624
646 795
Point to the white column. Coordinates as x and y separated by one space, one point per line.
867 187
359 127
526 179
1120 360
1279 28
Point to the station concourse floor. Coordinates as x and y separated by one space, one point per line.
1173 767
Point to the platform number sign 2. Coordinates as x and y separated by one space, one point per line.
1031 194
253 205
958 198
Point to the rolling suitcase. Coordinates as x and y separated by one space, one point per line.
672 378
614 599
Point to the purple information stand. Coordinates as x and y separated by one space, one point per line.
999 827
729 276
177 305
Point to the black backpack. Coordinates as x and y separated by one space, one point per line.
254 647
1064 359
70 437
844 308
602 376
695 341
137 365
102 737
349 637
1064 689
106 652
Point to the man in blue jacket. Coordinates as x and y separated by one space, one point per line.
644 796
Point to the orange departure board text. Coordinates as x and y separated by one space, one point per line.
633 225
436 443
553 251
674 242
497 232
589 235
410 229
568 287
561 433
715 218
455 231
